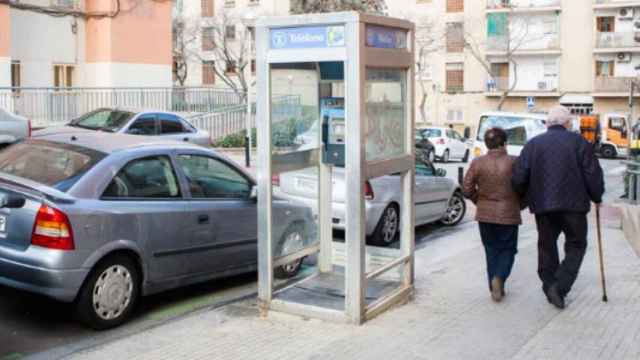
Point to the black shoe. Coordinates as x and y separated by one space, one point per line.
554 297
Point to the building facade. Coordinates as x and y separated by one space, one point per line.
94 44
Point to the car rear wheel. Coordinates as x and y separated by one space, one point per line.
609 152
431 156
386 232
110 294
292 240
455 210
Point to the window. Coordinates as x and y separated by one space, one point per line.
455 37
455 77
424 169
207 8
144 125
63 75
230 67
550 68
454 116
254 2
57 165
229 3
252 31
208 39
211 178
230 32
16 74
455 5
147 178
432 133
170 124
208 73
605 68
606 24
103 119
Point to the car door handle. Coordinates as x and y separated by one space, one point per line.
203 219
186 139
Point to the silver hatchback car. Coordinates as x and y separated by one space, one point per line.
102 219
147 122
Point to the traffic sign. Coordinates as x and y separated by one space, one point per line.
531 102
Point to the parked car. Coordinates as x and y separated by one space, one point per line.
449 144
424 147
135 122
101 220
13 128
437 199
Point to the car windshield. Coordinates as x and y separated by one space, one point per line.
103 119
432 133
57 165
518 129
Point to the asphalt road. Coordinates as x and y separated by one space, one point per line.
34 325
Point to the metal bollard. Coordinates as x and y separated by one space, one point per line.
460 175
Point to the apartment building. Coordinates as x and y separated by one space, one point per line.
93 44
581 54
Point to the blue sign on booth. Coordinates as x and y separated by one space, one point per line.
308 37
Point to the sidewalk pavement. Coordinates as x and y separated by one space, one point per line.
450 317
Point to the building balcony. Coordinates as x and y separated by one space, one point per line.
612 86
496 86
497 6
617 41
499 45
614 4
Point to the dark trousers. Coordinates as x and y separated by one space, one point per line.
500 246
550 269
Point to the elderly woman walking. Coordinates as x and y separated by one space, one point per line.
488 185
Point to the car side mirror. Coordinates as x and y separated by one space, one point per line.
441 172
11 201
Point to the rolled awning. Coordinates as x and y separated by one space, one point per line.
576 99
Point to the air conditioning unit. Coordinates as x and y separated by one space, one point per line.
624 57
625 14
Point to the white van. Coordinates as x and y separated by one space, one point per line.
520 128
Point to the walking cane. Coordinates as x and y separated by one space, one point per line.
604 283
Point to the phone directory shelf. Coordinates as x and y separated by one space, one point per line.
334 98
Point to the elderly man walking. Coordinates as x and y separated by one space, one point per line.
560 176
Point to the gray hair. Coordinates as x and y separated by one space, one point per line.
559 115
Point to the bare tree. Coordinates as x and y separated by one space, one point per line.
516 35
428 41
224 42
319 6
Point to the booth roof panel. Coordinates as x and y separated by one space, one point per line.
334 18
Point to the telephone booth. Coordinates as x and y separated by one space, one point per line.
335 110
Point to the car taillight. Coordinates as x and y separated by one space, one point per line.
30 129
52 229
368 191
440 141
275 179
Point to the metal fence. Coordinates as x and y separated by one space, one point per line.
232 120
633 178
51 106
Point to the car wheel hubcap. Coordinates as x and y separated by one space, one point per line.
432 157
112 292
292 242
454 211
390 225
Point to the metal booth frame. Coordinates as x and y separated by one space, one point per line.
357 56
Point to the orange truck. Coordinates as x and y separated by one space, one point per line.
607 132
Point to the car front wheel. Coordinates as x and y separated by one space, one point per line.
455 210
386 232
109 295
291 241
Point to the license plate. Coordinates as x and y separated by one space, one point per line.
3 225
306 184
